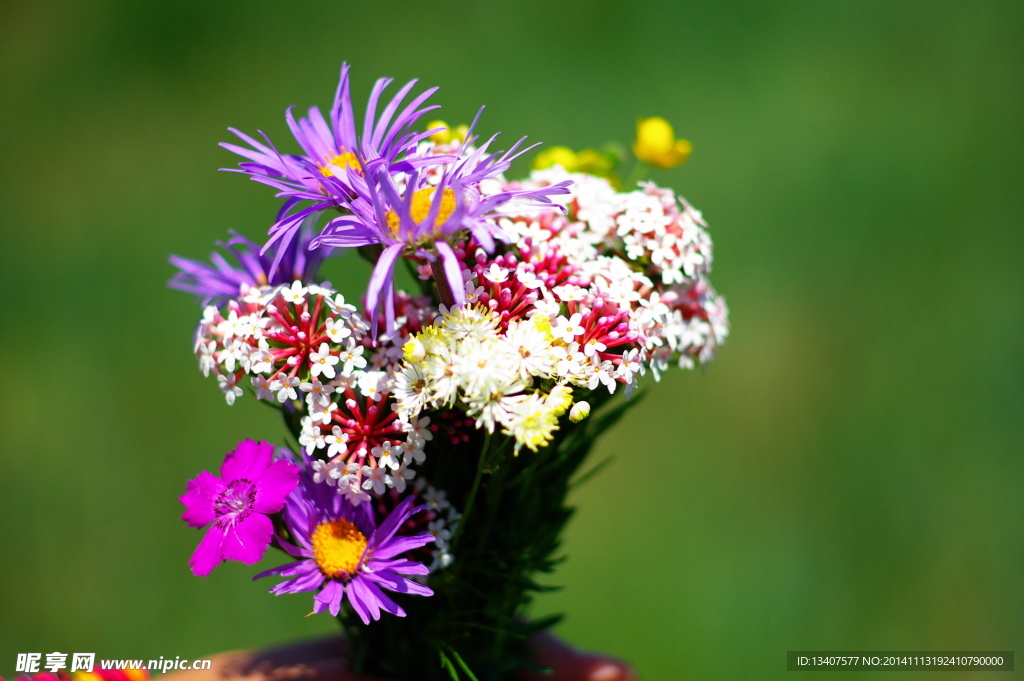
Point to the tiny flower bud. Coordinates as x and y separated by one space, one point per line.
579 411
413 351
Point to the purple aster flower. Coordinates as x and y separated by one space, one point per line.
222 281
251 485
330 170
342 551
431 210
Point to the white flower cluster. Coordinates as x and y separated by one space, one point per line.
303 348
646 251
465 361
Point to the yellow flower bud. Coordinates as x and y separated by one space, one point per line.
656 144
441 137
579 411
558 400
555 156
413 351
448 135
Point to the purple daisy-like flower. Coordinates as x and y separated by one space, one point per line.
342 551
428 212
330 170
222 281
252 484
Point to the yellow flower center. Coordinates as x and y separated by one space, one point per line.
338 547
420 208
346 159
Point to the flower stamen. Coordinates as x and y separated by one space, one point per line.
420 209
345 159
338 548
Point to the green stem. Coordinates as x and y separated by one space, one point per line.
638 173
473 490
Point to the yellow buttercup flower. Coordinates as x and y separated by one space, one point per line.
589 161
656 144
448 135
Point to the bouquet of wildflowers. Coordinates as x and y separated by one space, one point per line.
434 430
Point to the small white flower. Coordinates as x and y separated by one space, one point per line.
352 357
373 385
322 362
337 330
261 361
568 329
316 391
322 411
436 499
439 530
323 472
419 431
340 307
262 386
496 273
473 292
353 493
337 442
311 436
387 454
401 476
375 479
285 386
228 387
207 360
570 293
294 294
528 278
592 347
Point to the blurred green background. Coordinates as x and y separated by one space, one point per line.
847 475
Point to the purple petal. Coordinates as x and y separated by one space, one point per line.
330 596
382 273
401 566
362 599
288 569
398 584
383 601
395 519
399 545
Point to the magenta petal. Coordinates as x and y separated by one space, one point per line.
208 554
200 493
248 460
274 484
248 539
